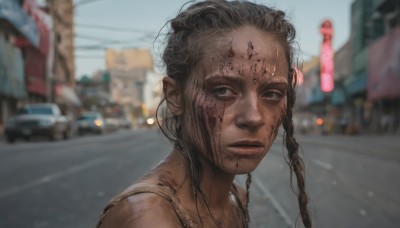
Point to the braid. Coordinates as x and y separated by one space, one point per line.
295 162
248 182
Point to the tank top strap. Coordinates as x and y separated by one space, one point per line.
162 191
242 209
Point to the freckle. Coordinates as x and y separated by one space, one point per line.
258 60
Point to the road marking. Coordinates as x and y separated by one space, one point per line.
322 164
51 177
274 202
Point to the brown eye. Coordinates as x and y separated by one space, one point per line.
223 92
273 95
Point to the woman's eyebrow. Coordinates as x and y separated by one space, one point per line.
274 81
232 79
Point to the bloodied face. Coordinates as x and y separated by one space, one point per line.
236 98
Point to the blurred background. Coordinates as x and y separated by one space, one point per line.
89 71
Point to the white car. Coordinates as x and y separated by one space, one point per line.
37 120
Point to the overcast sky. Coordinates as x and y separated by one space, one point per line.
134 23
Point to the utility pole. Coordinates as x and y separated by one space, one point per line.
63 70
62 81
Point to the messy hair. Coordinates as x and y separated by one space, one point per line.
185 49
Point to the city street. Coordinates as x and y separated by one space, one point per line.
352 181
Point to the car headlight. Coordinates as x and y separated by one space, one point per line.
98 122
151 121
46 122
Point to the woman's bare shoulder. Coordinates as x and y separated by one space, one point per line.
141 210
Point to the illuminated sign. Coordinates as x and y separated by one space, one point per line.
326 58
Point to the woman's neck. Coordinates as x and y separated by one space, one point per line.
215 184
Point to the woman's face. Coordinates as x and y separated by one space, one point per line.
236 98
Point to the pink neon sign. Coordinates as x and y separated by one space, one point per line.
326 57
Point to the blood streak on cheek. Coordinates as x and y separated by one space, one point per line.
210 110
208 123
221 112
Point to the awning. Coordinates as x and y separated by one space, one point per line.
356 84
11 11
338 96
66 95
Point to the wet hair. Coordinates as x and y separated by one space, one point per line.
183 54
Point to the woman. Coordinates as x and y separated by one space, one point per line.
229 86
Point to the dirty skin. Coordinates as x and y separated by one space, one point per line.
250 49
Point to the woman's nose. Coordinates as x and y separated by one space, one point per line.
249 113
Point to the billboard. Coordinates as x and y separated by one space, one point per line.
129 59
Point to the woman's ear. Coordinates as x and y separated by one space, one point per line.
173 96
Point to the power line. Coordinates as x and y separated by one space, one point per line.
91 47
115 29
89 57
84 2
102 40
103 43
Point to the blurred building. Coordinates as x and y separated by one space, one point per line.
94 92
36 55
373 85
62 78
15 25
309 93
366 97
152 92
383 65
37 60
133 82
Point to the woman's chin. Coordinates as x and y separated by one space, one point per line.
238 169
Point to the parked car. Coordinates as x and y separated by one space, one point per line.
124 123
91 122
37 120
112 124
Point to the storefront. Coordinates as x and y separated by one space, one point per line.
14 22
36 59
384 80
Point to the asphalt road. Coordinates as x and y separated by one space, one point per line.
351 181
